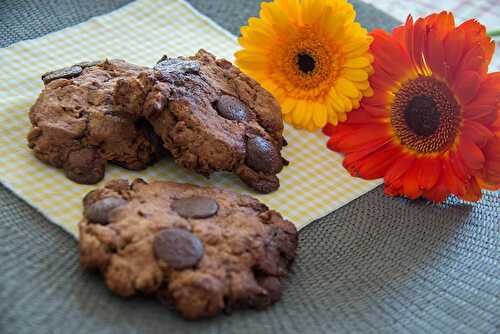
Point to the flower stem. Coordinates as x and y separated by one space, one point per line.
494 33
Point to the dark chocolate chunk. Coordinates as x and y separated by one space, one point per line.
262 156
178 248
99 211
195 207
85 166
231 108
63 73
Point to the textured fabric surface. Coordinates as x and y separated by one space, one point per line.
378 264
314 184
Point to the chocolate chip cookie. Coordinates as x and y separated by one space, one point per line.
210 116
203 250
76 126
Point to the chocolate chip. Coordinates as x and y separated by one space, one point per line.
231 108
195 207
85 166
263 156
178 65
100 210
85 64
63 73
178 247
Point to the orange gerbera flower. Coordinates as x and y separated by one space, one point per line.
432 127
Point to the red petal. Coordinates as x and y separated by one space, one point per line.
490 175
376 112
484 114
419 40
476 132
466 86
360 116
454 184
351 141
376 164
454 45
429 175
399 168
434 54
389 56
471 155
439 193
475 34
472 191
411 187
473 60
329 129
458 166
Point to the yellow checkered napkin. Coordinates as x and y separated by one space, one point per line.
313 185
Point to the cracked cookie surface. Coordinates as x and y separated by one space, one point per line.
210 116
204 250
76 127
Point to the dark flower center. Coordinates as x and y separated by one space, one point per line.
306 63
422 115
425 115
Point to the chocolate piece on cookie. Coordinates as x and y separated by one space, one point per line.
204 250
210 116
76 126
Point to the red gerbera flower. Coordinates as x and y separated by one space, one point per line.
432 127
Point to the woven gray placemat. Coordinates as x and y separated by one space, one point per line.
378 264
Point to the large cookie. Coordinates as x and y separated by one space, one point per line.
210 116
203 250
75 125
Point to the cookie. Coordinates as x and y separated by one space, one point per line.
210 117
202 250
76 126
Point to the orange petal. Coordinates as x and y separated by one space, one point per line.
466 86
352 139
375 164
476 132
473 60
399 168
389 56
471 155
484 114
458 166
434 54
360 116
490 175
472 191
454 46
453 182
411 187
430 172
419 40
439 192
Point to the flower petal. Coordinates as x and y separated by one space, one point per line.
357 62
471 155
319 116
466 86
345 87
399 168
411 187
430 172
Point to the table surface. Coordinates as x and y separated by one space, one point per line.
378 264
